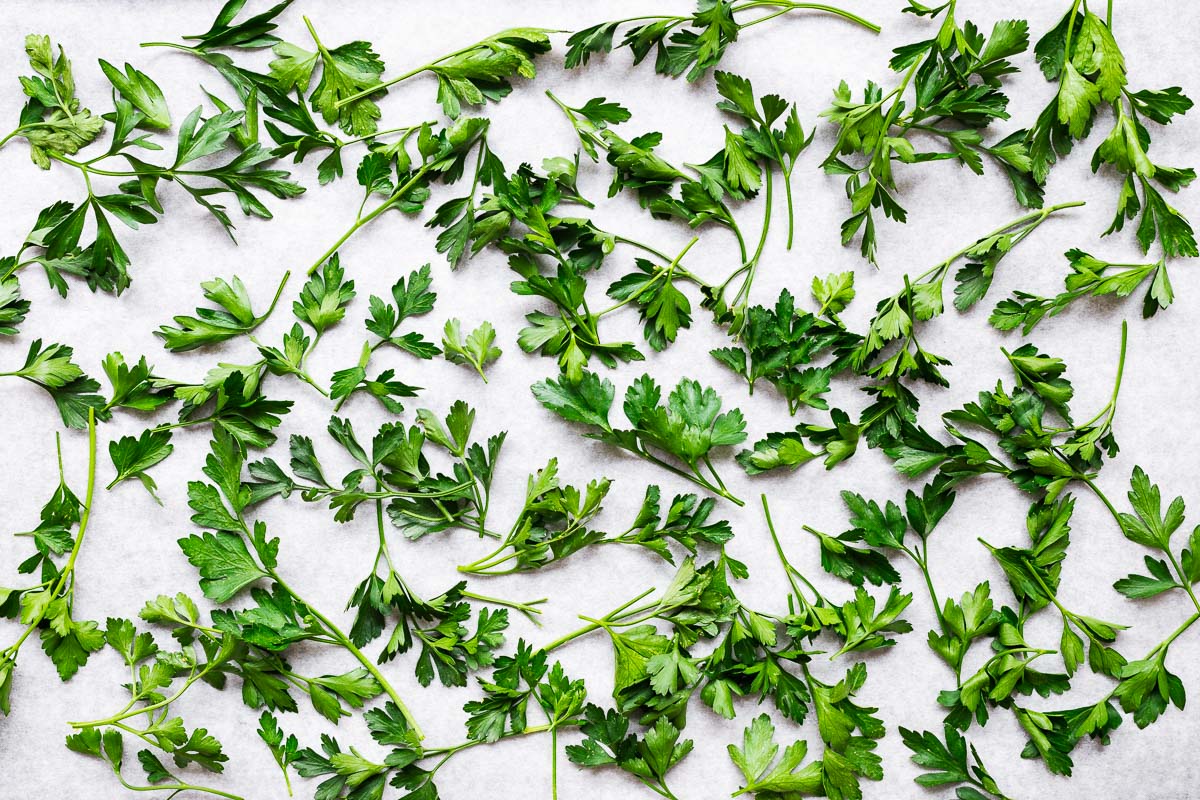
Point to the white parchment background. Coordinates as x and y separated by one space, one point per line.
130 554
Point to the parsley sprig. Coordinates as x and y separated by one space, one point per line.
957 77
688 428
1083 57
692 44
47 607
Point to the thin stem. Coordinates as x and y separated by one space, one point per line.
174 45
363 220
176 788
743 295
642 246
274 300
670 269
367 663
783 559
611 616
560 641
1036 217
67 573
554 763
933 598
15 132
1070 30
1091 484
87 501
405 129
130 711
1183 579
1166 643
528 608
837 12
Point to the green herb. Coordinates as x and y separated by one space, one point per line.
688 428
648 758
235 317
478 349
1089 277
53 119
1082 56
131 457
687 44
348 85
767 777
441 154
479 72
777 341
47 607
235 553
780 344
72 391
956 78
552 525
947 763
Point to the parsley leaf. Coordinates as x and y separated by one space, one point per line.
73 392
478 349
53 120
234 317
767 777
956 78
687 428
349 73
681 45
132 457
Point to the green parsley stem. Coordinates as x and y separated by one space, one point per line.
788 569
363 220
275 301
304 376
1166 643
458 748
788 6
617 614
666 273
16 132
694 476
67 574
1091 484
1162 646
743 295
1111 408
173 45
129 711
15 268
345 101
177 788
1036 218
529 609
348 645
1070 30
642 246
1067 614
87 169
554 763
1183 579
406 129
562 640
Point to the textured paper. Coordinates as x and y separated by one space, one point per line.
130 554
